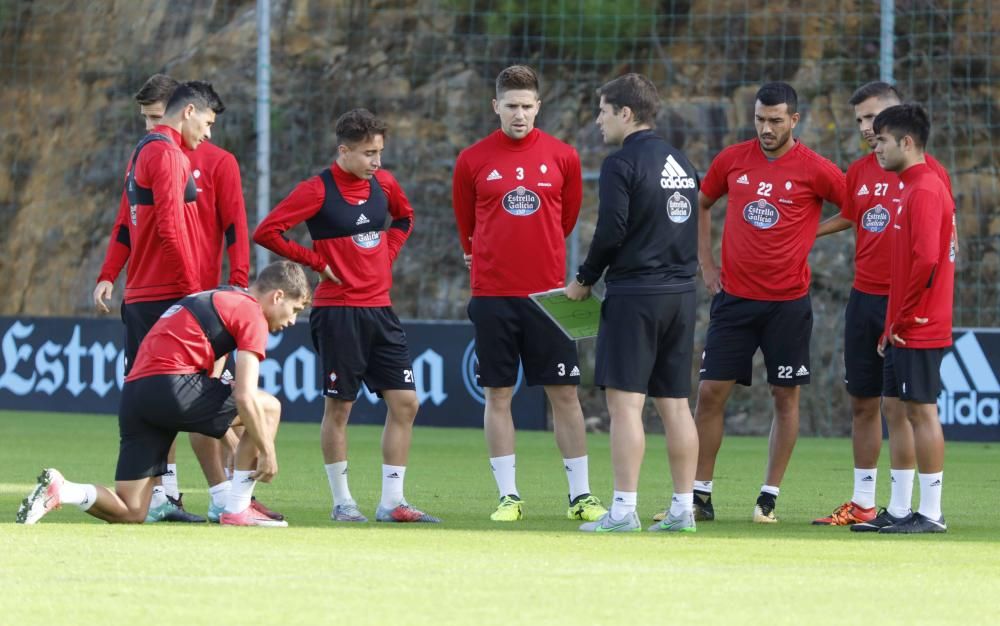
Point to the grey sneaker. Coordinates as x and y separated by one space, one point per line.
348 512
683 523
404 513
608 525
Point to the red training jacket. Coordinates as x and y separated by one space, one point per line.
924 245
873 195
351 240
221 217
156 240
515 203
772 211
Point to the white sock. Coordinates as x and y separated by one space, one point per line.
392 485
703 485
159 497
503 472
864 487
902 492
771 489
930 495
681 503
218 493
170 481
623 504
240 491
336 474
81 495
229 473
578 476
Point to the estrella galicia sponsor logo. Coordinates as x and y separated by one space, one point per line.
761 213
521 201
678 208
875 219
368 240
470 374
970 393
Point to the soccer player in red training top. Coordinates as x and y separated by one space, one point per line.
169 391
873 194
921 296
776 187
221 215
354 329
516 196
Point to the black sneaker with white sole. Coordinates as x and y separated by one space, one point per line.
917 524
703 509
884 519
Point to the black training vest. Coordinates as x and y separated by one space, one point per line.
339 218
201 306
143 195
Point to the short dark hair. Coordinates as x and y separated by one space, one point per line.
902 120
286 276
196 92
875 89
636 92
358 125
157 88
516 77
773 94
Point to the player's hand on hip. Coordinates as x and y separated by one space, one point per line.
468 261
267 467
576 291
101 293
327 274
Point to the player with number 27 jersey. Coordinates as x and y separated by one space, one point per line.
873 195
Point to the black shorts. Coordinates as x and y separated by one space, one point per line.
509 329
738 326
913 374
645 344
155 408
139 318
864 321
360 344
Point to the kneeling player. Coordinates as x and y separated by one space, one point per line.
168 392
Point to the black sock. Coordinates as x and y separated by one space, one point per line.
767 500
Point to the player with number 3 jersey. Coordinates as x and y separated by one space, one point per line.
516 196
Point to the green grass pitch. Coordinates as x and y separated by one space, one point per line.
71 569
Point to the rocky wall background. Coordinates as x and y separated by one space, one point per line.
68 121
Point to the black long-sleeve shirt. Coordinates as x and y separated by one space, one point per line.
647 221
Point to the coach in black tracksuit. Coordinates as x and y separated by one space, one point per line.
646 237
